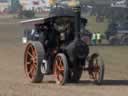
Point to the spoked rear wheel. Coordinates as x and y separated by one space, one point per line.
96 71
61 69
33 57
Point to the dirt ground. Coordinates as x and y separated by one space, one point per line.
14 83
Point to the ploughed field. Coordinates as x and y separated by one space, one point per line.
14 83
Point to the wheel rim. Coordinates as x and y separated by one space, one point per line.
95 74
59 70
30 63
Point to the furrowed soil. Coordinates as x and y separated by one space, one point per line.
13 81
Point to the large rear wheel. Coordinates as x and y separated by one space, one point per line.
33 57
61 69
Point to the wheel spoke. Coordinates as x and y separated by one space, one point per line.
56 73
95 72
57 64
60 77
31 70
33 51
60 65
95 75
34 65
34 60
30 54
60 62
61 69
28 63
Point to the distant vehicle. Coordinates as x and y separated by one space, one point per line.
119 3
117 33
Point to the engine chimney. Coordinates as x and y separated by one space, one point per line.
77 20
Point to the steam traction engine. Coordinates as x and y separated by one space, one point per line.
56 47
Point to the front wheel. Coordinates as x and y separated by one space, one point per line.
96 68
61 69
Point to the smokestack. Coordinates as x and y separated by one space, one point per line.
75 4
77 20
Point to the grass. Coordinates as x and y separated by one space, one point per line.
115 58
93 26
